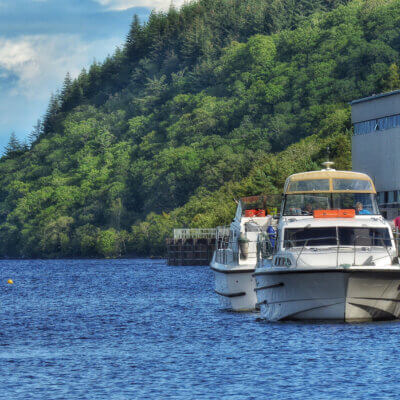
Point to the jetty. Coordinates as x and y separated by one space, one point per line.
194 246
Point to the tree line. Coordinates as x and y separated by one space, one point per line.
202 105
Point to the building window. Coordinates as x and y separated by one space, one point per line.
381 124
391 197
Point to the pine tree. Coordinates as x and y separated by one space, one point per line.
13 146
66 86
134 38
51 113
37 130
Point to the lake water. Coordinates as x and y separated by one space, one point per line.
139 329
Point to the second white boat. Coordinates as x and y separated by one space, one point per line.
235 258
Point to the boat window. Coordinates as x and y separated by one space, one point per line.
309 185
362 203
364 236
305 204
310 237
351 184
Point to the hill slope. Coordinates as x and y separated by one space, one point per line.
218 100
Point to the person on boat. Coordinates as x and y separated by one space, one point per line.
271 235
397 223
360 210
308 209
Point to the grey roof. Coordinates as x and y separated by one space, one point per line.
375 96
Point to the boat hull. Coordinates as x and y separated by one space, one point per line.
235 287
330 294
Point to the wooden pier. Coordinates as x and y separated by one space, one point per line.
191 246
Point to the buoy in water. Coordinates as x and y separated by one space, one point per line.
10 281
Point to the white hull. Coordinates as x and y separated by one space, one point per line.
350 294
235 287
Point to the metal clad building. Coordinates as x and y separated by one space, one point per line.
376 144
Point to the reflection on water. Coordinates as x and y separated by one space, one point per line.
139 329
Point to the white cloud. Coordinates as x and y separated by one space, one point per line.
38 65
41 61
153 4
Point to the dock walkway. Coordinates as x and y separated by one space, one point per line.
192 246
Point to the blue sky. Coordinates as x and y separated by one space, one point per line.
42 40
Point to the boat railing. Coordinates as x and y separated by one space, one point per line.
355 246
222 232
265 247
225 251
231 248
230 256
226 256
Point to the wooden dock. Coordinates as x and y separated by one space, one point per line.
191 246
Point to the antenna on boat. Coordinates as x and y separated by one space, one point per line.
328 164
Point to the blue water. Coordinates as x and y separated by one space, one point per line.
138 329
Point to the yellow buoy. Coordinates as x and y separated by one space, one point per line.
10 282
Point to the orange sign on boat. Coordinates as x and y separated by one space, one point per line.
350 213
334 213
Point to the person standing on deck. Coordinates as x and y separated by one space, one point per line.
397 223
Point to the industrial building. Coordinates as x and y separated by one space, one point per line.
376 146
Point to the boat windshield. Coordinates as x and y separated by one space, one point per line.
305 204
333 236
324 185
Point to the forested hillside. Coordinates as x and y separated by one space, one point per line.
220 99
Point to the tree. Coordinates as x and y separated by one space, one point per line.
36 131
392 80
135 40
50 117
14 146
66 85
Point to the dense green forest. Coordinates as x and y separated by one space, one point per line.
219 99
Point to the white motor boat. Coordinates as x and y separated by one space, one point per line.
335 257
235 257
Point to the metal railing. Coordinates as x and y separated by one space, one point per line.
265 247
226 256
222 231
336 247
195 233
226 253
229 255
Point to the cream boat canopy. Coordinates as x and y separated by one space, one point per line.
329 181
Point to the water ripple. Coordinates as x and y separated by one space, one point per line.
129 329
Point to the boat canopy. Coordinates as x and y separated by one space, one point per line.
329 181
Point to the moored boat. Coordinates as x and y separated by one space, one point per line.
235 257
335 257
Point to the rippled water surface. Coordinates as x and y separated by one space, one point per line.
132 329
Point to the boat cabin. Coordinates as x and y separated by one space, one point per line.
307 193
329 218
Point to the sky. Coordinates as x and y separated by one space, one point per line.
42 40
